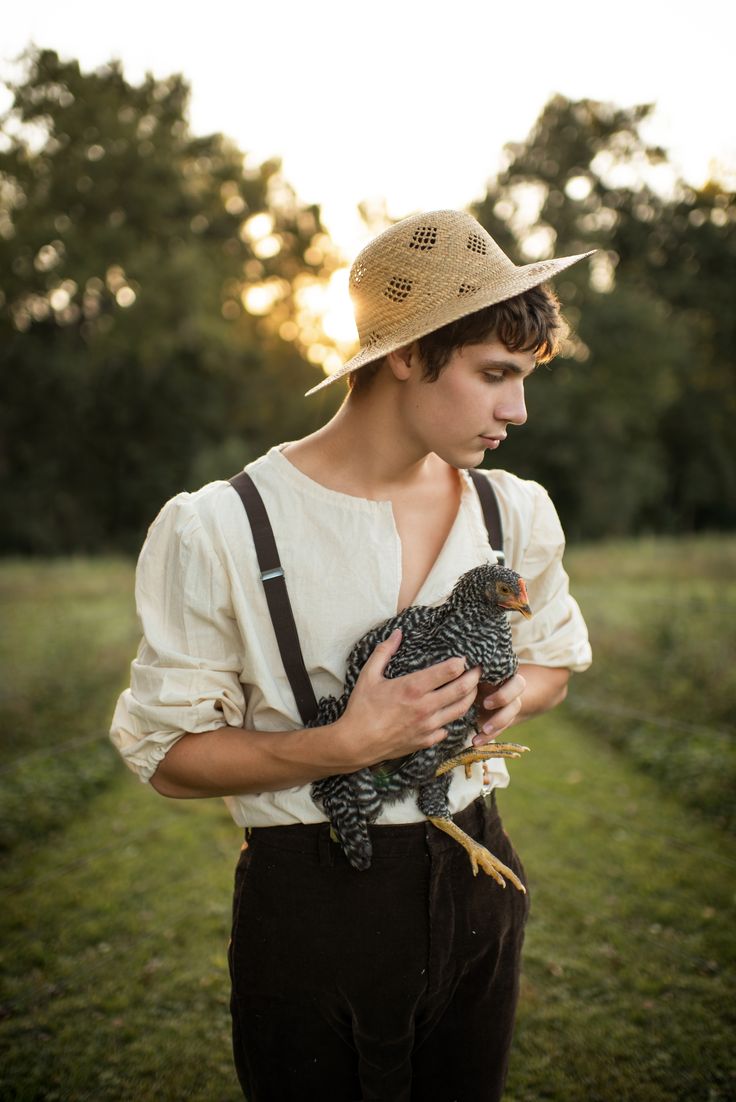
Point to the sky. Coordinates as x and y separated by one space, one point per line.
405 101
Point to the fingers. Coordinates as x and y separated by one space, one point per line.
454 699
457 690
500 695
501 719
433 709
499 708
421 681
434 677
454 711
409 712
383 653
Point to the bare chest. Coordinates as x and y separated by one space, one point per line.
423 527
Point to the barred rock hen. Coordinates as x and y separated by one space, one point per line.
472 622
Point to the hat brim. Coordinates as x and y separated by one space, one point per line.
518 280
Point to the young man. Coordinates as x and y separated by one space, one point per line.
399 982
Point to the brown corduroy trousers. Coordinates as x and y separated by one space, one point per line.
397 984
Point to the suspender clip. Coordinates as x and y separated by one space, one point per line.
267 575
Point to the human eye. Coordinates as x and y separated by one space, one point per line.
496 376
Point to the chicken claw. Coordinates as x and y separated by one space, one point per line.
481 753
478 854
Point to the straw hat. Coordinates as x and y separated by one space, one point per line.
426 271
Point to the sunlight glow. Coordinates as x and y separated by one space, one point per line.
540 244
330 303
410 175
260 298
257 227
266 247
324 320
61 296
48 256
578 187
125 297
602 272
337 319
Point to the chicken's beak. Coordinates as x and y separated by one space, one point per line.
522 604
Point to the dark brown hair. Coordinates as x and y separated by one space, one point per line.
529 322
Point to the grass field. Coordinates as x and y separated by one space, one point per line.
116 903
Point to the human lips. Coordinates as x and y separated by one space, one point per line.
493 441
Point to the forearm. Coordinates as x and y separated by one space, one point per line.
385 718
230 761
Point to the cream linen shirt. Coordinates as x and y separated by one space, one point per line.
209 658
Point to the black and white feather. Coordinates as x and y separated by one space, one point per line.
472 623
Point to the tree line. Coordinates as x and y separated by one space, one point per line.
135 360
632 429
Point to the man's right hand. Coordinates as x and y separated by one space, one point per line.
389 717
385 718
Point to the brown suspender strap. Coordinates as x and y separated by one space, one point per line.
491 514
274 584
274 581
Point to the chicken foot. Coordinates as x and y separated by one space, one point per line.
473 754
478 854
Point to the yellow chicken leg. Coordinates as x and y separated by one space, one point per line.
478 854
481 753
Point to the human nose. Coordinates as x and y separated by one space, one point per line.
512 408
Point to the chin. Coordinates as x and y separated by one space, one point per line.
457 450
461 461
475 457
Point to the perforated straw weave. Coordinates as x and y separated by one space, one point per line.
426 271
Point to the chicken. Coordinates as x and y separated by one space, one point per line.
472 622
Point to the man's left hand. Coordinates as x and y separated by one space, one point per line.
498 707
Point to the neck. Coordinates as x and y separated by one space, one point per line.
364 449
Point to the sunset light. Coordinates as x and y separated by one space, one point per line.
247 554
334 140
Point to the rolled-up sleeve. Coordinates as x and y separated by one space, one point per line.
186 675
557 634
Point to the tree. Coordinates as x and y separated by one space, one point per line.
631 428
128 248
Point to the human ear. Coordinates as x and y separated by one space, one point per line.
402 360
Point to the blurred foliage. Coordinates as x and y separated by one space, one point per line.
631 431
128 359
152 337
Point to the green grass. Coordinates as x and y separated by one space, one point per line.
628 985
69 633
662 619
114 954
116 903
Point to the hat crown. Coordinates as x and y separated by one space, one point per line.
427 271
423 264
